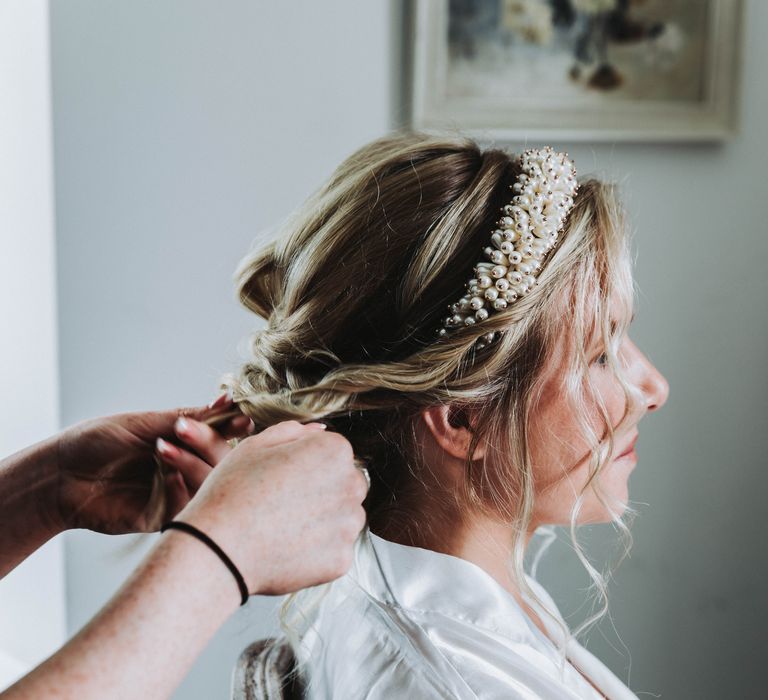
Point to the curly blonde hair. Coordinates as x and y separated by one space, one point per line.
354 289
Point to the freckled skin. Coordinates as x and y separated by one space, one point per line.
560 453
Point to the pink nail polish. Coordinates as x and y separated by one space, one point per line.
220 401
164 448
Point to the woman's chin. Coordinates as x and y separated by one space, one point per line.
617 499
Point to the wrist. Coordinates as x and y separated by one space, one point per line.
192 531
213 583
29 488
229 538
29 515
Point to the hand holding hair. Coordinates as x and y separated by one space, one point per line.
109 480
285 506
103 475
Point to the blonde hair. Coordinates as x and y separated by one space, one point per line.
357 284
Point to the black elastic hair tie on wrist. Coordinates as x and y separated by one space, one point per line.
190 529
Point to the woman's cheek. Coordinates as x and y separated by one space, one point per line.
609 393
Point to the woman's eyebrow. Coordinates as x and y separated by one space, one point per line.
615 323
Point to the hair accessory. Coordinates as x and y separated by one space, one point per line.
525 233
191 530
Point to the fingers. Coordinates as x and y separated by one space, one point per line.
203 439
224 416
286 431
193 470
203 448
217 413
236 427
221 404
221 401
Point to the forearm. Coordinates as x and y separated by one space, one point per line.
28 515
146 638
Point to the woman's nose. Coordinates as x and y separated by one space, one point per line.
655 386
651 383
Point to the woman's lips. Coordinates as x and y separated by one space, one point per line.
630 451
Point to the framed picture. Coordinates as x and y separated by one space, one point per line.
597 70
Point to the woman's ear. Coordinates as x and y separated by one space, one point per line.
451 430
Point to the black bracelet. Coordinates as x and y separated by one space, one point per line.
186 527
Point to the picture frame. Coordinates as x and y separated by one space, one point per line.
678 82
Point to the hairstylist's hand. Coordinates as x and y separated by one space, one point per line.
285 505
107 468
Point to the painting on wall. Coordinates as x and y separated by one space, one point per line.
577 69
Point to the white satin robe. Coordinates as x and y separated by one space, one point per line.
409 623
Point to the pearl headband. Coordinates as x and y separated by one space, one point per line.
526 232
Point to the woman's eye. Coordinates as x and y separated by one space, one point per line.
602 360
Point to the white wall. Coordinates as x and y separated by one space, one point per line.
32 615
183 128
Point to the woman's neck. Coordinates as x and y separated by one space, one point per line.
484 542
480 539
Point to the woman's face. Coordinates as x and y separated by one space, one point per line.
560 452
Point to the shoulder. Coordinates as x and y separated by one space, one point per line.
358 647
406 622
361 647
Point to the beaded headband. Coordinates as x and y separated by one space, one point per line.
526 232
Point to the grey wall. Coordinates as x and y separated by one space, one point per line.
183 128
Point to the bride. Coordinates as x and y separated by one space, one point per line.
461 316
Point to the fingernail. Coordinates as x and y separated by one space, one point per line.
317 426
219 401
183 425
240 422
164 448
